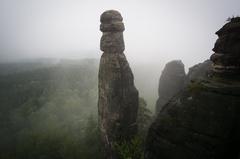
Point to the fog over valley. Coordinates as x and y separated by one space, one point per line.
156 31
119 79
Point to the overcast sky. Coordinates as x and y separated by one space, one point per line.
156 30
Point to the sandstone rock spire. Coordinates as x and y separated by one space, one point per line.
170 83
118 97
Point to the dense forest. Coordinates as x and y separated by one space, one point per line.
49 111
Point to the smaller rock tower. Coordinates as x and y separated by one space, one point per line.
226 58
171 82
118 97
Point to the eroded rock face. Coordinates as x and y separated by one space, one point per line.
118 97
226 58
201 122
171 82
199 71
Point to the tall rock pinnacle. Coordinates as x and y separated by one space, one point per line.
118 97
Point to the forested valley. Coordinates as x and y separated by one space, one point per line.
49 111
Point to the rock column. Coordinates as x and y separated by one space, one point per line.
118 97
171 82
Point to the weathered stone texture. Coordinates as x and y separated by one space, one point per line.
112 28
203 122
118 97
199 71
226 58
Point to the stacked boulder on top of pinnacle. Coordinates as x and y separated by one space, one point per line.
112 28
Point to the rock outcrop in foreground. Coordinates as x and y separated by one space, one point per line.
118 97
227 49
203 122
171 82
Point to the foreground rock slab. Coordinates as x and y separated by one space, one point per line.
203 122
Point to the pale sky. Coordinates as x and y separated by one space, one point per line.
157 31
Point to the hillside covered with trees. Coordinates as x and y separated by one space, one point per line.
50 111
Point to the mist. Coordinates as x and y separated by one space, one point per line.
49 67
156 31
